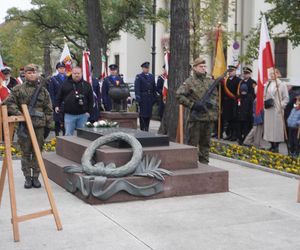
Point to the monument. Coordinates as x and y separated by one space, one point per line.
104 165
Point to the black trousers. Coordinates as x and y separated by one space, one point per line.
293 140
144 123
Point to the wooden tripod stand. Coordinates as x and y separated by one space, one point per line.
8 128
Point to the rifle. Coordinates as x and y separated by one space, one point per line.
22 129
206 97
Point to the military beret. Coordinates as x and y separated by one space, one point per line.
30 67
60 65
198 61
247 70
145 65
231 67
113 67
6 70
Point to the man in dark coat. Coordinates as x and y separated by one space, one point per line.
159 89
77 96
9 81
54 86
249 81
229 95
111 81
145 94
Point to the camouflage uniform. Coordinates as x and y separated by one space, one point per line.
199 125
22 94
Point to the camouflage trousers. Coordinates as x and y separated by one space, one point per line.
199 136
28 160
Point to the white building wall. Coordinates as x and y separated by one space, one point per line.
248 17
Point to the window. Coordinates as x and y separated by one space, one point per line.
117 60
281 49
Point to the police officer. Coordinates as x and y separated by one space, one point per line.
247 79
202 115
54 86
230 89
41 121
145 94
111 81
9 81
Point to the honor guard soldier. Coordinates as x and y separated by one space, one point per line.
109 82
230 90
203 113
249 81
32 93
145 94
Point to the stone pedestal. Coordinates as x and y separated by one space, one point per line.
125 119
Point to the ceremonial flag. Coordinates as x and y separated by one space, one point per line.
66 59
1 63
165 88
104 72
2 76
220 64
265 62
86 67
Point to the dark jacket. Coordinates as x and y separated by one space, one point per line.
67 95
145 93
107 82
244 108
12 83
294 119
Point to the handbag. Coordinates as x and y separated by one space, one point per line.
269 103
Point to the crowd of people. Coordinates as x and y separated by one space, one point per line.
70 102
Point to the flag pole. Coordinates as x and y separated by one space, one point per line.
220 94
281 110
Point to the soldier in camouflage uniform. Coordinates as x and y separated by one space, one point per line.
22 94
200 121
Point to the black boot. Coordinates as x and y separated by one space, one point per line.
28 182
35 182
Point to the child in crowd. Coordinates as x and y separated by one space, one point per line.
293 126
244 113
255 136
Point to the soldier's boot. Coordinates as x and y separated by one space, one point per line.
28 182
35 182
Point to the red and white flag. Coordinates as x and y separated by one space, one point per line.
265 62
66 59
104 72
86 67
165 88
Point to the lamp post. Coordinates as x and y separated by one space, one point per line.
153 37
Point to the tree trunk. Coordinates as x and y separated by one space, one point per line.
47 59
96 35
179 64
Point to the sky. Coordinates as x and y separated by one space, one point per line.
21 4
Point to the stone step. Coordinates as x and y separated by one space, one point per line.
175 156
201 180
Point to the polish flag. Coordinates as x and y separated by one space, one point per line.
104 72
265 62
165 88
66 59
86 67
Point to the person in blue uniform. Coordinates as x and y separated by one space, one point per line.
112 80
53 87
145 94
159 89
247 79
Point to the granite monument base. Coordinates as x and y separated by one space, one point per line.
125 119
189 177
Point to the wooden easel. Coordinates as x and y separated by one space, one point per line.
8 126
